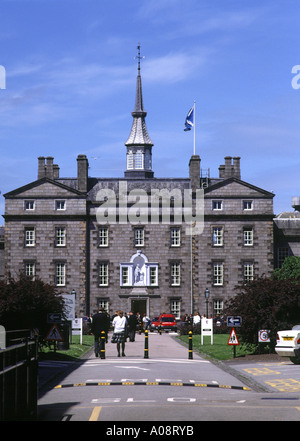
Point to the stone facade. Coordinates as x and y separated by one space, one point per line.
287 233
96 256
118 246
40 234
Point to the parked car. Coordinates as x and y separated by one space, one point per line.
165 321
154 323
288 344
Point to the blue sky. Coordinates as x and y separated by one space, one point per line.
71 74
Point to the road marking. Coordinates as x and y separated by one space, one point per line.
95 414
97 361
288 385
132 367
261 371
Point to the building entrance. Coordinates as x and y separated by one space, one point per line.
139 305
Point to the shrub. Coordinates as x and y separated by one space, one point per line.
264 303
24 304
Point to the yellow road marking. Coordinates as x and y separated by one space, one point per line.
95 414
285 385
261 371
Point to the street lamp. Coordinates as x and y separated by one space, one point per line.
206 294
73 292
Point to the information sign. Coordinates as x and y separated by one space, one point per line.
77 328
2 337
69 308
54 317
207 329
234 321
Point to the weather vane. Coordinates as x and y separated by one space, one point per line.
138 57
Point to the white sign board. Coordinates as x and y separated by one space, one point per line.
207 329
69 308
77 328
2 338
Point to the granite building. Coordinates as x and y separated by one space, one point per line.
125 243
287 233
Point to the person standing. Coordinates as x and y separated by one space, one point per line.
132 323
146 321
99 324
119 336
196 319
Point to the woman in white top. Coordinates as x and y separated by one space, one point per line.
119 336
196 318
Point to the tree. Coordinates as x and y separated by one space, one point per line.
265 304
24 304
289 270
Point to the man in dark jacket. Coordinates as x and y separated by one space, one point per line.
100 322
132 322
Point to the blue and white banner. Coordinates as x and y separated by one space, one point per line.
189 121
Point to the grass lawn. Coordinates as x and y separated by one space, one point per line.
76 349
219 349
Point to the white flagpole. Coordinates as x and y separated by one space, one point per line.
194 127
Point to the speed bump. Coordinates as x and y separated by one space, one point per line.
149 383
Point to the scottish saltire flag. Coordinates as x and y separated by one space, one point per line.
189 121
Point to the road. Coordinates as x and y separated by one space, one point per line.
168 387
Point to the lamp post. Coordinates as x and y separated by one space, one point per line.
206 294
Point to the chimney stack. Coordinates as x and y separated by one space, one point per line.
55 171
46 168
41 167
49 167
194 167
230 169
236 167
82 172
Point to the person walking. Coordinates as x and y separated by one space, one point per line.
119 336
100 323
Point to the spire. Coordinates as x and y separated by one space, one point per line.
139 133
139 107
139 144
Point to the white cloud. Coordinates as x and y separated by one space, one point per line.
174 67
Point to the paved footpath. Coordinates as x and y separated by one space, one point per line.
159 346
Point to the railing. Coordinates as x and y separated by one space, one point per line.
19 381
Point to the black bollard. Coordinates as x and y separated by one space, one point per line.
146 351
102 345
190 345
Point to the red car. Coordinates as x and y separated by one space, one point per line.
165 321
